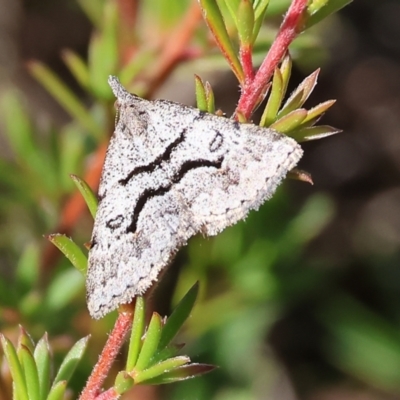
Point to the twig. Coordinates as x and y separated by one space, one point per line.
287 33
246 59
108 355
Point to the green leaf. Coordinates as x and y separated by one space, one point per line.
260 10
57 391
65 97
21 136
87 193
201 97
274 100
210 98
290 122
24 339
365 344
71 250
93 10
77 67
150 343
123 382
233 7
313 133
9 182
27 270
103 52
277 7
73 145
160 368
167 352
178 316
213 17
18 126
320 13
286 71
166 14
181 373
315 5
135 342
245 24
291 106
71 360
314 216
63 288
30 373
16 371
42 358
300 94
315 112
31 303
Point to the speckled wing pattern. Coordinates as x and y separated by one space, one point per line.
172 171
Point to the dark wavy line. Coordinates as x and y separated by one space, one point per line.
153 165
150 193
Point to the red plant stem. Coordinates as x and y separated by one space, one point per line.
247 63
109 394
107 356
287 33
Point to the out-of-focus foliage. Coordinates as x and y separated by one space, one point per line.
31 371
251 275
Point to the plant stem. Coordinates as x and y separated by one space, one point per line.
108 355
247 63
109 394
287 33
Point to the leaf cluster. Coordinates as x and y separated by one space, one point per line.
117 48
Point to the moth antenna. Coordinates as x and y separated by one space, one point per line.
117 111
119 91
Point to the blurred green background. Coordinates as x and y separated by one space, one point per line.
301 300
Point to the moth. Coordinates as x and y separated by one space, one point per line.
172 171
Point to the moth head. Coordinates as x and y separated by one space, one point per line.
130 118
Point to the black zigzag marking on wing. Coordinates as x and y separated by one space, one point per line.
153 165
150 193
